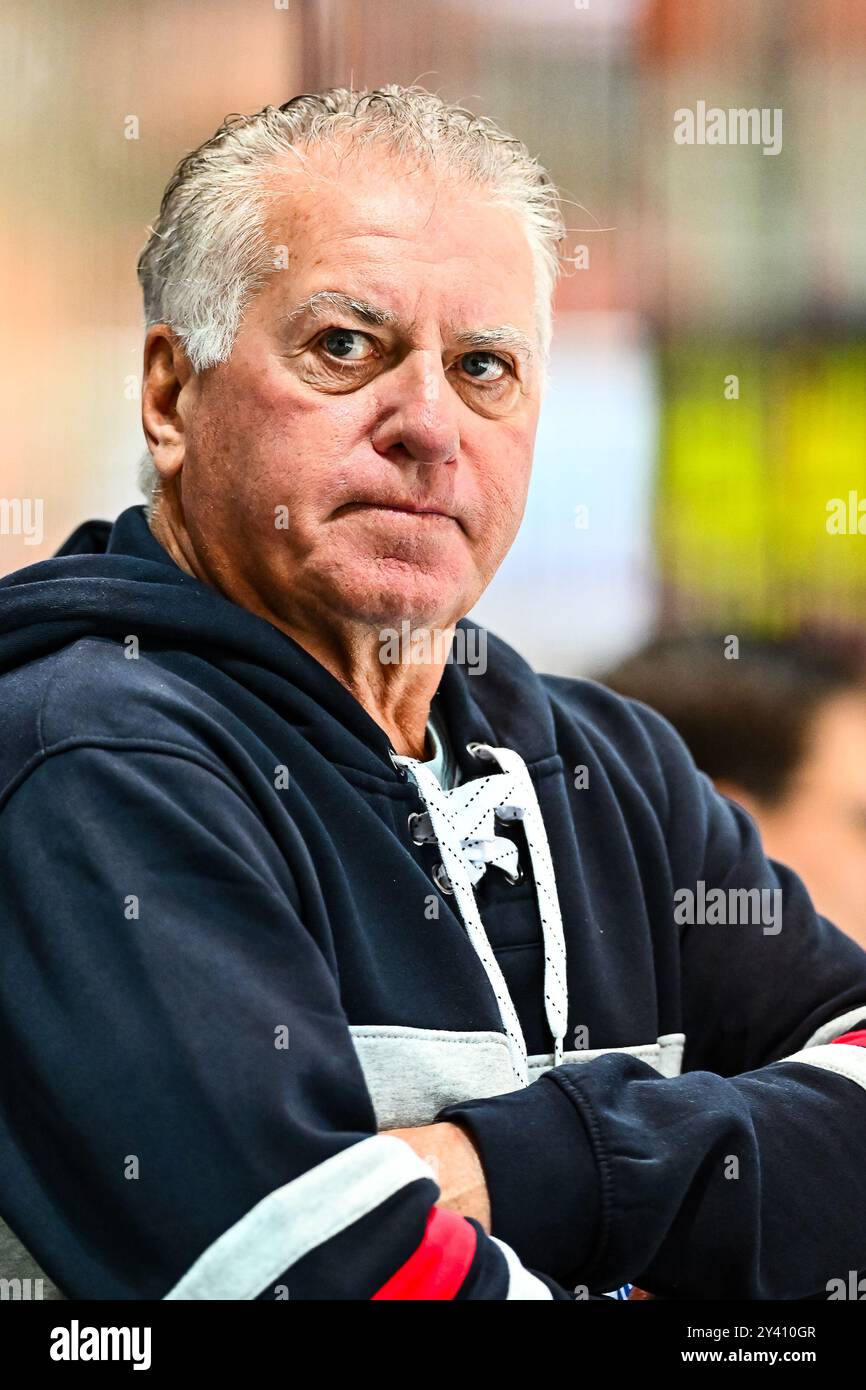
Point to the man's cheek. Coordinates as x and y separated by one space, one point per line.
505 505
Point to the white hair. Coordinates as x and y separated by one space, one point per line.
209 249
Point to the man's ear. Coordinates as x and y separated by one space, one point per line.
166 371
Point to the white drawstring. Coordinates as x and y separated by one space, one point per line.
462 823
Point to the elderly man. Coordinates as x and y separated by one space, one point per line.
269 894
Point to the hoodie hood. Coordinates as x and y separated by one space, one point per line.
115 580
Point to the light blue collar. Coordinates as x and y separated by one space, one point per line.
443 764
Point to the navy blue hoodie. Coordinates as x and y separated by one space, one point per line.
230 959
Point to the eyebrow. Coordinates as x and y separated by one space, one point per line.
325 302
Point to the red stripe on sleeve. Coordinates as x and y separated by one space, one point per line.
441 1262
858 1038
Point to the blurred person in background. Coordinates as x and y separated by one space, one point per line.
781 729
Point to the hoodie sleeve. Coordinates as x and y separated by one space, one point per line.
186 1117
744 1177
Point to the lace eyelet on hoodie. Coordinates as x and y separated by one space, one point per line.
420 829
441 879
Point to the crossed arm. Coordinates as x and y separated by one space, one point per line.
454 1159
604 1171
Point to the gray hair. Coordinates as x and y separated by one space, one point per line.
208 250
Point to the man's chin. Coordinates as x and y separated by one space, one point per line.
394 593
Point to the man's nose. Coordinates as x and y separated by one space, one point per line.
419 411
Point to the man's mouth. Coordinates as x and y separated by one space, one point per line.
428 511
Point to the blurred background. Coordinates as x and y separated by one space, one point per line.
708 396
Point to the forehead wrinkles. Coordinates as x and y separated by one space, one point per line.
353 201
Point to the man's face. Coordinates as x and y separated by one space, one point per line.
336 467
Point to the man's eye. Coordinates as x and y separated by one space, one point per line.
346 344
484 366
